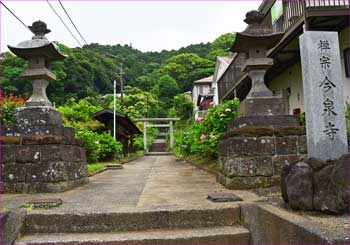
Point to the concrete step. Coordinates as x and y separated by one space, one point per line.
164 153
36 222
114 166
159 141
161 135
212 235
157 149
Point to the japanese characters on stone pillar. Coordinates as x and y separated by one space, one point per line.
323 93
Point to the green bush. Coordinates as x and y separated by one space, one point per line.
202 136
77 114
99 147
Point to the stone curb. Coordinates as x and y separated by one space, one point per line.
41 140
296 228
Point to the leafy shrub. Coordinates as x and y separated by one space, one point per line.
183 106
77 114
203 135
99 147
7 104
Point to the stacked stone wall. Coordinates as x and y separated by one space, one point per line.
254 157
42 163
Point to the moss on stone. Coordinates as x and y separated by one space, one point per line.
248 132
10 140
287 131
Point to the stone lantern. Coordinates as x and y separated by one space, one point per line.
39 153
255 42
263 137
39 52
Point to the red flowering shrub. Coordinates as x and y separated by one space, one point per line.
7 104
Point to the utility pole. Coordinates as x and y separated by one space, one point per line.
114 109
122 90
121 74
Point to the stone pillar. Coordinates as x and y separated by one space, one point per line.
323 95
171 129
145 136
259 88
321 182
39 97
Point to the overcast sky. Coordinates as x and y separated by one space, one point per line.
147 25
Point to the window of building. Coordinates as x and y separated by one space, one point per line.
347 62
201 89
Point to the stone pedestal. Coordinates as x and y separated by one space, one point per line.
254 157
264 112
42 163
264 121
39 154
263 106
40 115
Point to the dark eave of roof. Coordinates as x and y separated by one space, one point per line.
105 116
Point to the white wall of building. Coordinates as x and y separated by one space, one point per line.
199 88
292 78
220 68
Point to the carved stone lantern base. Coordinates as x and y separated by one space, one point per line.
264 111
40 154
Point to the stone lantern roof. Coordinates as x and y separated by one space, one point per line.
39 45
256 35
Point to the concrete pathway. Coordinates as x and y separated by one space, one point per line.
151 182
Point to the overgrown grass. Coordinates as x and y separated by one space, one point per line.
96 167
129 158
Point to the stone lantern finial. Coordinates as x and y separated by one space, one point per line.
254 17
39 28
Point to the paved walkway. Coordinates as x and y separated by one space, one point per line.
151 182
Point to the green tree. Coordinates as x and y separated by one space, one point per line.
185 68
183 106
166 88
11 68
221 45
138 103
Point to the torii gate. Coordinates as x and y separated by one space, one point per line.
169 125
